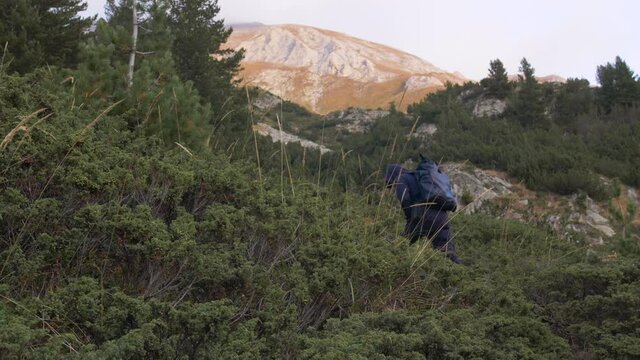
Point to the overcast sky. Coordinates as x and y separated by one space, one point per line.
569 38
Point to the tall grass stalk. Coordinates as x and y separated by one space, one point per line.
3 66
21 126
285 156
255 138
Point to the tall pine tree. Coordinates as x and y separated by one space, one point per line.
527 106
618 85
527 72
497 83
157 102
197 49
42 32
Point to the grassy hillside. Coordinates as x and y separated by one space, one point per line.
145 222
116 244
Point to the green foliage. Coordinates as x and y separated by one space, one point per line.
564 157
117 243
526 105
497 83
432 335
618 85
575 98
447 101
594 305
39 33
528 72
198 37
466 197
159 102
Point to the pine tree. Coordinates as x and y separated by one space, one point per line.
528 72
197 50
618 85
527 105
157 100
573 99
497 83
41 32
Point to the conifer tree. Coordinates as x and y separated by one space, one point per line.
40 32
528 72
574 98
158 101
527 105
497 83
618 86
197 49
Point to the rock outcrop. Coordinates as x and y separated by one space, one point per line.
284 137
426 130
489 107
491 191
356 120
265 101
476 185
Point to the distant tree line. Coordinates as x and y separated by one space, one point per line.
554 136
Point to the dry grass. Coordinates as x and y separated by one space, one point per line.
4 66
22 126
184 148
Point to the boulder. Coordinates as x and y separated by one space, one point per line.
265 101
356 120
284 137
489 107
480 185
426 130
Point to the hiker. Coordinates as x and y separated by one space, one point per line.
422 220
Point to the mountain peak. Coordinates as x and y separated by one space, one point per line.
249 25
325 70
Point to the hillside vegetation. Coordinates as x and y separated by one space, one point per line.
149 221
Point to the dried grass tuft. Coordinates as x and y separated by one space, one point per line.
22 126
184 148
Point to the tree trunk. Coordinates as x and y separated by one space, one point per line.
134 36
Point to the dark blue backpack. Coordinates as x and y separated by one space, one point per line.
435 187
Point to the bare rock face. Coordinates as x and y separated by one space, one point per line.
265 101
426 130
489 107
356 120
475 184
483 190
284 137
595 219
588 217
326 71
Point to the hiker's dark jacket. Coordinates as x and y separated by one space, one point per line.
422 221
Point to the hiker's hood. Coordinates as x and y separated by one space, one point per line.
393 173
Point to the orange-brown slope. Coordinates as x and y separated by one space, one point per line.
327 71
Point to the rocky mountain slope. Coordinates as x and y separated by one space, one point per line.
327 71
480 190
495 192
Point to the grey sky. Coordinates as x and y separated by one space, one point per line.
569 38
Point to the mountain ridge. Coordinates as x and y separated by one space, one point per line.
325 70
